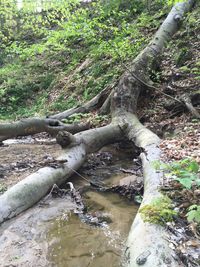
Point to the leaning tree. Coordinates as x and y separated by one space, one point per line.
146 243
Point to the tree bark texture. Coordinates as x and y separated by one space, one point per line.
36 125
146 244
30 190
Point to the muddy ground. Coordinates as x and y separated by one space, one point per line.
21 157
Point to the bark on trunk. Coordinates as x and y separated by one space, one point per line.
146 244
37 125
30 190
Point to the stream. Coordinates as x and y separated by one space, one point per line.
51 234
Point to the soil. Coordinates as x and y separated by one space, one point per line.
21 157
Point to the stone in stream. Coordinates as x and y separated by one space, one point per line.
131 180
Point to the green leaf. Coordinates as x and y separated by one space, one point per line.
198 182
138 199
194 213
186 182
193 166
191 215
192 207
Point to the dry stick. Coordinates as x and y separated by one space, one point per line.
90 182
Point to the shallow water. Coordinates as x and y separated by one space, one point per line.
74 243
50 234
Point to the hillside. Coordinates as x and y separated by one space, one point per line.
63 56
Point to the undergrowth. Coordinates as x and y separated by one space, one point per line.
42 53
182 186
159 211
60 54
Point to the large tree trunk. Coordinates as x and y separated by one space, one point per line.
30 190
37 125
145 244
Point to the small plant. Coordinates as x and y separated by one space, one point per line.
94 119
76 117
184 171
3 188
193 213
159 211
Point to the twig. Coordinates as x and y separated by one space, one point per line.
79 174
90 182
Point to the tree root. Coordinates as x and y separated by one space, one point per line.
187 104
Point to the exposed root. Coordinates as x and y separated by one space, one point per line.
187 103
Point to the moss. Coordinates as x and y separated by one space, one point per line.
159 211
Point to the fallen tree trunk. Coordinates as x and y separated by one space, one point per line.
145 244
30 190
36 125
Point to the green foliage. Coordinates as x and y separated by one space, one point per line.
95 120
184 171
76 117
173 2
38 47
159 211
138 199
182 56
194 213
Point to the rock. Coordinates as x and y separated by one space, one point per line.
130 180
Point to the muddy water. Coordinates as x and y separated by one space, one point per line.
78 244
50 234
75 243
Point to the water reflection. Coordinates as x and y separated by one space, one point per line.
77 244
